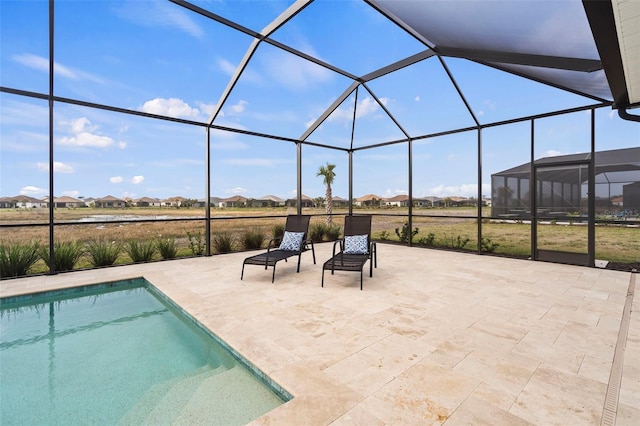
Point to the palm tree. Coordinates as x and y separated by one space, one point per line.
328 174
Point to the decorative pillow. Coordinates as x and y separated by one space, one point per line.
291 241
356 244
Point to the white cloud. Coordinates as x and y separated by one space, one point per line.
463 190
81 125
42 64
295 73
122 145
251 162
417 99
137 180
32 191
87 139
159 14
73 194
552 153
239 107
207 109
393 192
237 190
116 179
58 167
367 106
171 107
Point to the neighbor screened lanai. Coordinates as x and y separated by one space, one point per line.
207 100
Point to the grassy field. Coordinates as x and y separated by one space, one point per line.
613 243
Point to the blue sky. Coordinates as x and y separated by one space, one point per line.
156 57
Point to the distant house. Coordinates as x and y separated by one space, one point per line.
213 202
398 201
22 202
339 202
235 201
369 200
306 201
109 202
174 202
147 202
460 201
268 201
67 202
427 202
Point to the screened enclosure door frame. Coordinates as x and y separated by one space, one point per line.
540 213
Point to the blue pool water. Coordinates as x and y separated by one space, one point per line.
120 354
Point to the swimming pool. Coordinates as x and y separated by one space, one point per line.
120 353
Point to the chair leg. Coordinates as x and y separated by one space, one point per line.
273 276
322 285
361 279
242 273
299 258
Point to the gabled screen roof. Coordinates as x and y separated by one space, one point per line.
326 63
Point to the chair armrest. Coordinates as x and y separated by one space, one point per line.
273 243
336 242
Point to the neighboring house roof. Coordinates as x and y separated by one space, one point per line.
147 200
370 197
66 199
109 198
22 199
271 198
235 198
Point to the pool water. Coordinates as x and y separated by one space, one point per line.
120 355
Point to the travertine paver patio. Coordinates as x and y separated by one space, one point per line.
436 337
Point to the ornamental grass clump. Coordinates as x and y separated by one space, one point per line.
278 230
103 253
196 243
140 251
167 247
317 232
222 241
253 238
65 255
16 259
333 232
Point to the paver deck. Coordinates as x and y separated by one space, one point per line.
434 338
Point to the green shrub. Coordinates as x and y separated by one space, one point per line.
405 234
487 245
196 243
278 230
140 251
333 232
222 241
253 238
103 253
429 240
166 247
457 242
317 232
65 255
17 259
384 235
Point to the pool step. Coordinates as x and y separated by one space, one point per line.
231 398
164 401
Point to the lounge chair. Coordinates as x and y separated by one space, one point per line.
356 248
294 242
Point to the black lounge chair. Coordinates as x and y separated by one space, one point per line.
294 242
356 248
